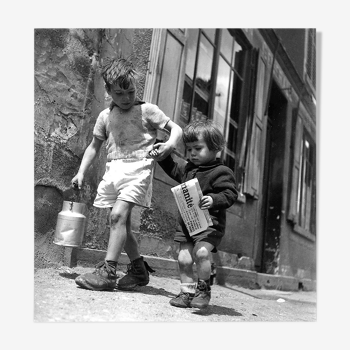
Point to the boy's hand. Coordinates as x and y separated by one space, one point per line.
161 150
77 181
206 202
153 153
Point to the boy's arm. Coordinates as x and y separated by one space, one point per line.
224 192
89 155
163 149
172 169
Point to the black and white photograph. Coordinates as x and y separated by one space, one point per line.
187 177
123 116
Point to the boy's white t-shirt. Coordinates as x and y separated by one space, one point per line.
129 134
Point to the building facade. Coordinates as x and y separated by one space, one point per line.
258 85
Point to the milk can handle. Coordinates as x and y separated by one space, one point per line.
76 188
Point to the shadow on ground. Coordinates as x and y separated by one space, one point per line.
152 291
217 310
144 290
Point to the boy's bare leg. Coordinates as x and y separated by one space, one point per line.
188 284
185 261
119 217
131 246
201 253
104 276
138 269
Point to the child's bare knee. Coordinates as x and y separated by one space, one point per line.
185 259
201 253
117 218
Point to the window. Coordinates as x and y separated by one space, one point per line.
213 84
302 208
306 203
228 94
198 74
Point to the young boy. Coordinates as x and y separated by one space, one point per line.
203 141
129 128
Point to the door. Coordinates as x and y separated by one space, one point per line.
273 181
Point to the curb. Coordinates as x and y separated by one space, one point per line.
224 275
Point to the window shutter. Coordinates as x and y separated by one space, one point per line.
163 82
170 74
254 147
297 138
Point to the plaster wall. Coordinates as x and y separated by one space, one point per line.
298 255
68 96
240 229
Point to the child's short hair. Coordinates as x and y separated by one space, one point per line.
208 131
118 70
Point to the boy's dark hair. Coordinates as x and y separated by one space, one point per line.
208 131
118 70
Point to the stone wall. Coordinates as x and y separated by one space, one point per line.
68 96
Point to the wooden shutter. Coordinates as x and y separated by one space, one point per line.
296 146
249 57
163 82
254 150
170 82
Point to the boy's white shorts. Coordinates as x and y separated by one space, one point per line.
127 180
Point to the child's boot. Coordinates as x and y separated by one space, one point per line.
186 295
103 278
137 275
202 296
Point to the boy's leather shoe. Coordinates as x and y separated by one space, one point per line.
136 275
182 300
103 278
202 297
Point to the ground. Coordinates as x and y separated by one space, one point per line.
58 299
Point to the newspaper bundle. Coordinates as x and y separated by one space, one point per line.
187 196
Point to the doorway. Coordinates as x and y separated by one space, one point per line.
273 181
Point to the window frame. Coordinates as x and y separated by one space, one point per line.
231 150
306 166
302 130
192 82
237 38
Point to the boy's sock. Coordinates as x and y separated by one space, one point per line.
207 282
188 287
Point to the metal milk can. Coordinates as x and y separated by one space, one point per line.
71 223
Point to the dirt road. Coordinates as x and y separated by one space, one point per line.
58 299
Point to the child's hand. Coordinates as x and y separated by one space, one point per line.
154 153
161 150
77 181
206 202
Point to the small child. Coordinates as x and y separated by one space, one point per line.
129 128
203 141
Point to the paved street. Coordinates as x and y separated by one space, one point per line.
58 299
